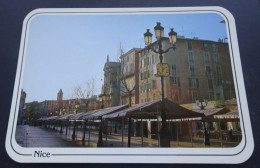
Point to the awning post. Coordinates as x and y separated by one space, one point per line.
142 131
74 131
129 132
177 133
190 126
84 131
206 135
61 126
122 130
100 139
67 124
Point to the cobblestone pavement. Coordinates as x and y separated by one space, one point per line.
30 136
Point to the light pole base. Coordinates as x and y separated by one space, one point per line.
100 143
206 138
165 138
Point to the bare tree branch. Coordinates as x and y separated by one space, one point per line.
86 92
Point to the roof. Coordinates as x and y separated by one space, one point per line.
152 109
77 116
214 111
65 117
101 112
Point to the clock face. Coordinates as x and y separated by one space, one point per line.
163 69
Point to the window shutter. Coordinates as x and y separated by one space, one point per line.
178 80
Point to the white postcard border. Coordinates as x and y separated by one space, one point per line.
237 154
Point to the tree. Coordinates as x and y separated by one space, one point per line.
127 88
85 93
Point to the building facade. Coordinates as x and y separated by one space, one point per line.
129 78
110 94
198 68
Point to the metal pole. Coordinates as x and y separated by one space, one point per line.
142 131
129 132
206 135
74 131
190 125
122 130
164 132
67 124
177 133
100 139
158 125
61 126
84 131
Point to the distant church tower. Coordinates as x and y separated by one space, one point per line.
60 95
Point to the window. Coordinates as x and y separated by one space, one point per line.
193 82
216 57
211 96
214 47
153 59
174 68
148 86
146 61
206 57
210 83
132 67
191 58
127 58
176 96
142 76
146 75
194 96
205 46
192 69
218 69
154 84
208 70
189 45
175 80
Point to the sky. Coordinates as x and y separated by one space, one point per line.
67 50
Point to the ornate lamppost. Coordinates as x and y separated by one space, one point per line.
100 139
202 103
163 70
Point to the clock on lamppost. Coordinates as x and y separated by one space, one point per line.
163 69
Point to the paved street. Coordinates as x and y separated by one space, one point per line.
30 136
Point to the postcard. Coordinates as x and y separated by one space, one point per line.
129 85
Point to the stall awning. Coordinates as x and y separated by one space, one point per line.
99 113
65 117
48 118
231 115
152 109
77 116
212 112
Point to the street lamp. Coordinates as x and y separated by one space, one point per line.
202 103
163 68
